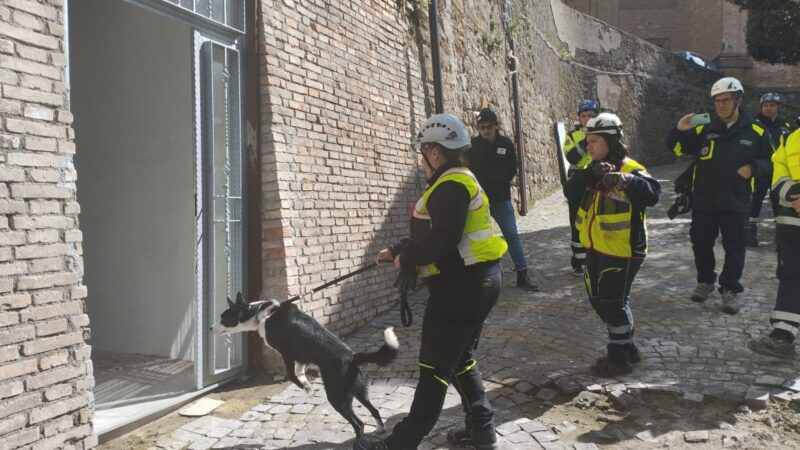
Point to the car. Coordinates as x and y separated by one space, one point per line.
696 59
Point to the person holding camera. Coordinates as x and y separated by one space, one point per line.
612 194
729 150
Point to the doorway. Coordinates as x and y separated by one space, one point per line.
158 162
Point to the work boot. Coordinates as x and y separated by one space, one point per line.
751 235
770 346
461 437
634 355
524 282
702 291
615 364
729 303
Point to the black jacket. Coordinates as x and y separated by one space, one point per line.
775 128
720 151
494 164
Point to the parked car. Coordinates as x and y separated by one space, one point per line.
699 60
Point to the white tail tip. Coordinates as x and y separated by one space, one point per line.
390 338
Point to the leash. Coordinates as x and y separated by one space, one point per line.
405 311
336 280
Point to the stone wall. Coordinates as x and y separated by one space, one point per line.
45 371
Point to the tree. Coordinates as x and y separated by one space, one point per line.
773 29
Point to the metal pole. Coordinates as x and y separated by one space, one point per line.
518 134
433 23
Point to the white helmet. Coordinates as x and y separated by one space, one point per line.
727 84
604 123
444 129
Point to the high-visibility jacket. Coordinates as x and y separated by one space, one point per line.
786 177
575 149
479 243
775 128
613 222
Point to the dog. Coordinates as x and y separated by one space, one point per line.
301 341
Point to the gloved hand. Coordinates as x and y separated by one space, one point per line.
406 280
599 169
793 190
619 180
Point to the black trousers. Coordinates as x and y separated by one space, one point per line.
578 251
762 185
706 226
786 316
451 329
608 284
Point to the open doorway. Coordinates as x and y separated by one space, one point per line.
158 159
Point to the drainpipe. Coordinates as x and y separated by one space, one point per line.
433 23
518 134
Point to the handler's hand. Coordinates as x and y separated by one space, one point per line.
795 202
685 124
397 261
384 256
745 171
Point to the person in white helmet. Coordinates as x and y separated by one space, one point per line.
729 151
613 193
455 250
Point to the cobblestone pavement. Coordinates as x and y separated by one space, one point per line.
537 344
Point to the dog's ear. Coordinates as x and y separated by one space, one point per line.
240 299
230 303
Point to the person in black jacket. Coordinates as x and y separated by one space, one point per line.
728 152
493 159
453 248
770 120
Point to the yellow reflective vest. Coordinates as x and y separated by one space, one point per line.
604 220
479 243
574 150
785 174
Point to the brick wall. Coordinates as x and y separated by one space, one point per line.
341 96
45 370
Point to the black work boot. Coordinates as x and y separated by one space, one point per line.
634 355
615 364
478 431
524 282
751 235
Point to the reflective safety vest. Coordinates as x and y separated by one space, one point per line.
479 243
785 174
575 146
604 219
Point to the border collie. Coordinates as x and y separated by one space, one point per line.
302 341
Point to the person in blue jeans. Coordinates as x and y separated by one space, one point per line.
493 160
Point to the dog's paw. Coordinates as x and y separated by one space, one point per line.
308 388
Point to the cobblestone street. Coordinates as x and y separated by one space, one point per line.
538 346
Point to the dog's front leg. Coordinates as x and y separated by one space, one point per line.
292 369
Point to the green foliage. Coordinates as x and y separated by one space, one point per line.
773 29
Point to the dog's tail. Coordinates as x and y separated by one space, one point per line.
384 355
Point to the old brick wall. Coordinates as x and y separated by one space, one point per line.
341 96
45 370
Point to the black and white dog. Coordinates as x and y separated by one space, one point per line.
301 341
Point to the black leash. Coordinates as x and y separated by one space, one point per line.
405 311
334 281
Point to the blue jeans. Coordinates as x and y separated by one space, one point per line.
503 214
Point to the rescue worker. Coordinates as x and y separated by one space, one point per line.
728 152
493 160
785 318
454 249
612 194
575 151
775 126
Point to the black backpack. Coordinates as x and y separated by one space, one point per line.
683 190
